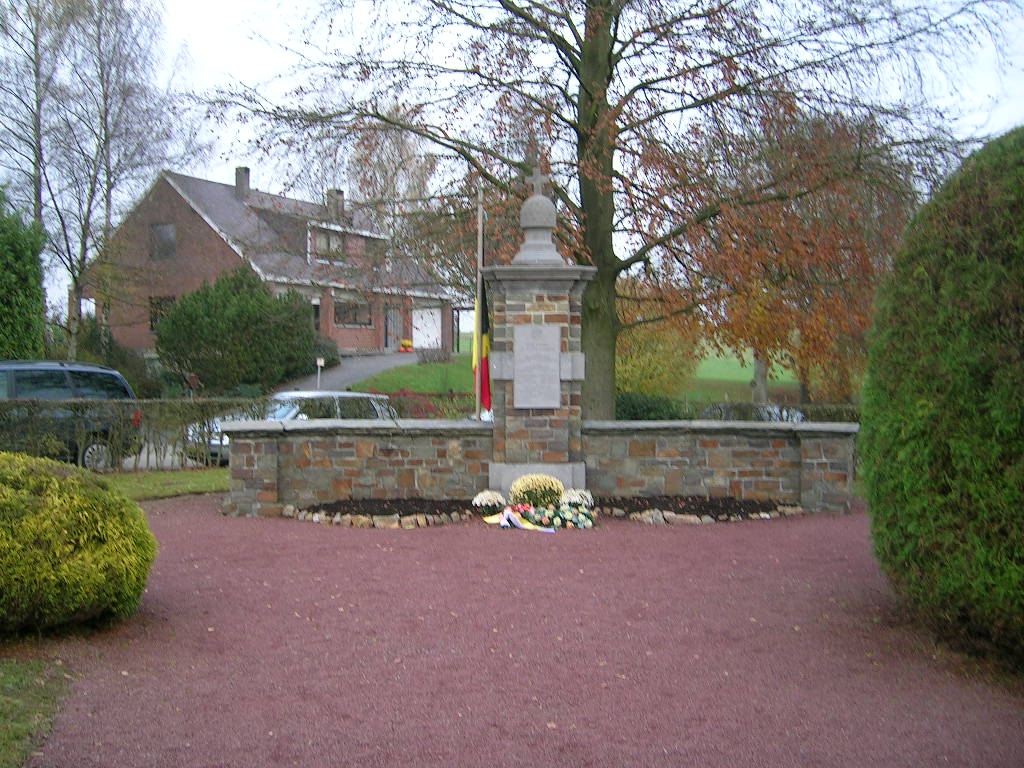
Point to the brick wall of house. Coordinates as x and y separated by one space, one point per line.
201 256
307 463
352 338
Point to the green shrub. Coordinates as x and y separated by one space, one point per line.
637 406
536 490
21 285
830 411
942 438
72 549
236 336
327 348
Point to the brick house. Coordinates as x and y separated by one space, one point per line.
186 231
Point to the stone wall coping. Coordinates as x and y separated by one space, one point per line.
530 272
471 426
452 427
805 428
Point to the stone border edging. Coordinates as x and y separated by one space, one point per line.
387 522
666 517
651 516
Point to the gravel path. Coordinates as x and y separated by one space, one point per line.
277 643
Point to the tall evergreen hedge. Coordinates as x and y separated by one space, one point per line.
942 438
21 286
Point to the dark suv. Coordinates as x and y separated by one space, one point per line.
96 435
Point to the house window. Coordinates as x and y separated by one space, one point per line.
330 246
159 307
352 313
316 317
162 241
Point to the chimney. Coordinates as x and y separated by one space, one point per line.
335 204
241 182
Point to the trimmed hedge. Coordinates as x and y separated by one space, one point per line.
942 437
72 549
639 406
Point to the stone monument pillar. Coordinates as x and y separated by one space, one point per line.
537 363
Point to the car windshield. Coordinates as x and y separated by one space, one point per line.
284 408
281 409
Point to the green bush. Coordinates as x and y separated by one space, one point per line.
657 358
237 337
327 348
637 406
536 490
942 416
21 285
72 549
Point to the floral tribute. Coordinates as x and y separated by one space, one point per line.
489 502
536 490
573 508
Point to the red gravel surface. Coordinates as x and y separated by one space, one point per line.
270 642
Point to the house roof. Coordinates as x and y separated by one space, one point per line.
272 233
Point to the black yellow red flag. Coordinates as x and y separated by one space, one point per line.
482 349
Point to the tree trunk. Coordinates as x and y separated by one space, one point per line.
760 382
74 319
596 139
600 328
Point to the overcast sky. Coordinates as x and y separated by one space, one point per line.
243 40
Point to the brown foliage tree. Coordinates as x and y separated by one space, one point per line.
799 265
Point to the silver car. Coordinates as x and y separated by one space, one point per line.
207 444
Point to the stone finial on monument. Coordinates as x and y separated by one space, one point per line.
538 219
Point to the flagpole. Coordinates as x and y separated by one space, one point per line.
478 314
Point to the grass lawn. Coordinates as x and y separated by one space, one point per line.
724 378
160 484
29 694
426 378
719 378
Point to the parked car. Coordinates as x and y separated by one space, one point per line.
752 412
61 416
206 443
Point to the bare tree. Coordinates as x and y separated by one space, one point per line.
390 171
34 36
621 95
100 128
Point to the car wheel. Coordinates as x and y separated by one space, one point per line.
96 455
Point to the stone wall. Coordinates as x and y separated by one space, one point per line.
807 464
274 464
305 463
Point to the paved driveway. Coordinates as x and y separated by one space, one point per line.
352 370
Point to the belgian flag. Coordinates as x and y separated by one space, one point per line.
482 349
